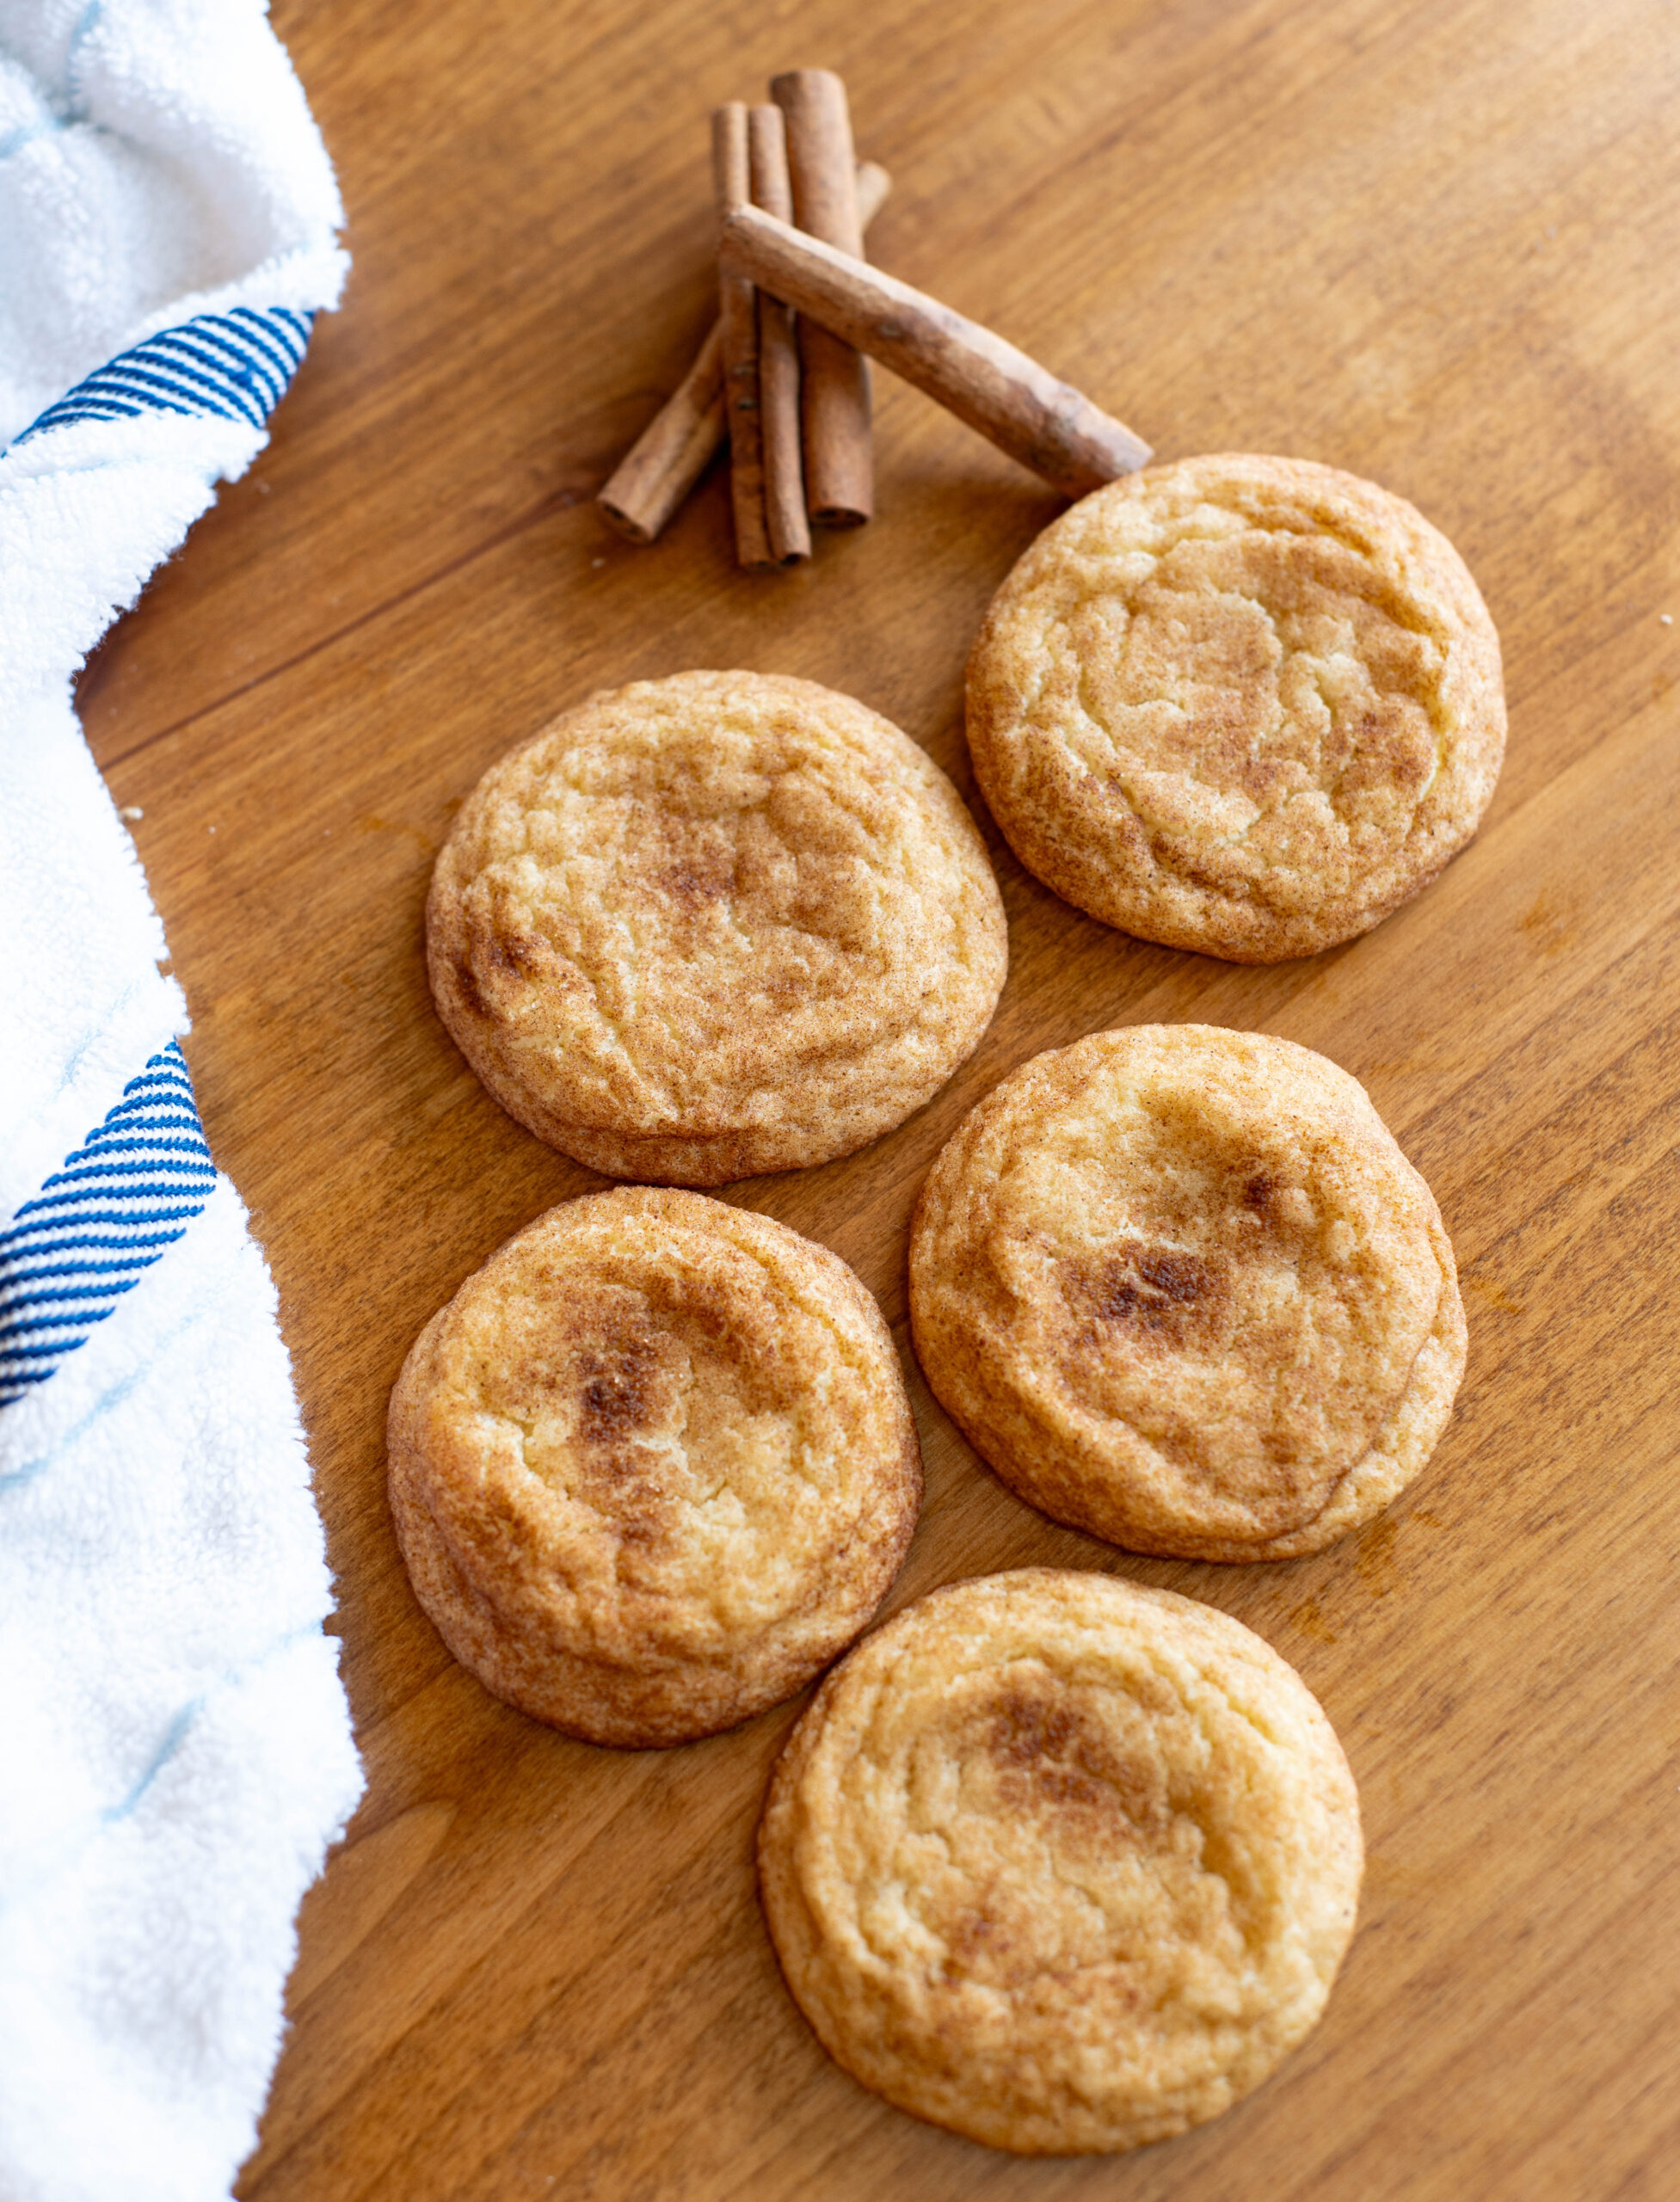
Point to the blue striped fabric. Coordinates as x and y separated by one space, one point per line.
127 1192
235 365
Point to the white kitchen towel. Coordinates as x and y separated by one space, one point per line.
175 1753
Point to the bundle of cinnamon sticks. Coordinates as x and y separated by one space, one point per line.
783 375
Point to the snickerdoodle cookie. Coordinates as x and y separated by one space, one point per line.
1241 704
1182 1290
1061 1862
653 1465
713 925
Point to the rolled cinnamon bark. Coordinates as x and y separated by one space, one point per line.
731 172
834 397
779 357
1048 425
672 453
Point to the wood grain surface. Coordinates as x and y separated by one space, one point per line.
1435 243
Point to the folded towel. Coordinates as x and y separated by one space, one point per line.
176 1746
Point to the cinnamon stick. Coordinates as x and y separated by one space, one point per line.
731 172
672 453
779 357
834 397
1046 424
677 445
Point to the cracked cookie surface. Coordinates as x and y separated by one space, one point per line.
653 1465
1181 1289
1061 1862
714 925
1241 704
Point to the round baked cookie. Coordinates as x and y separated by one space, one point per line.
1241 704
1182 1290
653 1465
1060 1862
714 925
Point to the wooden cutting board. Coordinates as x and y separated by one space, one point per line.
1435 243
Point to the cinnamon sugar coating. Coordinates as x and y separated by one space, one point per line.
714 925
1182 1290
653 1465
1060 1862
1242 704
